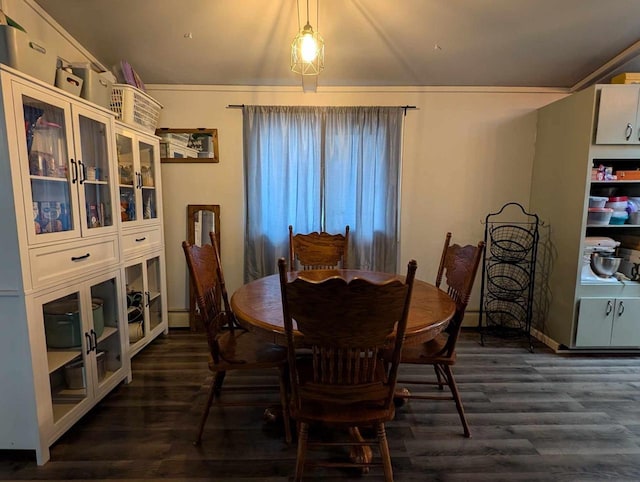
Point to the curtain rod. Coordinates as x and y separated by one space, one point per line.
405 107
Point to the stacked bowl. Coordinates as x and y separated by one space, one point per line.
619 206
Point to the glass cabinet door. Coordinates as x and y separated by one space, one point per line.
135 292
148 180
138 177
68 346
105 329
144 291
83 341
52 173
154 292
93 173
127 178
64 151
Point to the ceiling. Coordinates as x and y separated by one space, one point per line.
521 43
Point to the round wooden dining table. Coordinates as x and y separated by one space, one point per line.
258 305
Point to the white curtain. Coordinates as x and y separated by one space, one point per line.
319 169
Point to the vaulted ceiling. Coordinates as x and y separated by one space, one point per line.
521 43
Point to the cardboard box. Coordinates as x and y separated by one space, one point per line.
627 78
630 264
628 175
629 241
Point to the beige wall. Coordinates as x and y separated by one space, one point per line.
466 152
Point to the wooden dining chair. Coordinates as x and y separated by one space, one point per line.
231 347
318 250
458 266
344 382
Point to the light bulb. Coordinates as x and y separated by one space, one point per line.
308 48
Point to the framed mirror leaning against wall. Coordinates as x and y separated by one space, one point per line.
188 145
201 220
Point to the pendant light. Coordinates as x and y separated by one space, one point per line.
307 48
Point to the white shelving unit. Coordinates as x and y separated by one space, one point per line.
576 134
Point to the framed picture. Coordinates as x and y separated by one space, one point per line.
188 145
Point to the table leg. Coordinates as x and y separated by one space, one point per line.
401 396
360 454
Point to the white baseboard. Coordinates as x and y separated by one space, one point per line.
178 319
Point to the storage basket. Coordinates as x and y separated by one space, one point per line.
181 140
510 243
134 107
507 281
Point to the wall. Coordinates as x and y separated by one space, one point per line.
466 152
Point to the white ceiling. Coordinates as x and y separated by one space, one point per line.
527 43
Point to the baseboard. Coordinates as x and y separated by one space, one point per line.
551 343
178 319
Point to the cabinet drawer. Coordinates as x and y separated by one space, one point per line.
139 241
51 263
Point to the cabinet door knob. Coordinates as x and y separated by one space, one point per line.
628 131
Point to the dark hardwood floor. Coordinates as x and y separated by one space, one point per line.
533 416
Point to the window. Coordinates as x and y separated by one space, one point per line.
321 168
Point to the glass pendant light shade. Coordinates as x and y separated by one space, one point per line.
307 51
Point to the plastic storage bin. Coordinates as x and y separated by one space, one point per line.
597 201
619 217
134 107
62 325
74 375
68 81
96 88
17 50
617 203
177 138
599 216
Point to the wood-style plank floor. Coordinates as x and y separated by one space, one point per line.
533 416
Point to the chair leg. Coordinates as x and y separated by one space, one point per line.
218 380
438 371
216 385
456 396
284 401
384 453
303 436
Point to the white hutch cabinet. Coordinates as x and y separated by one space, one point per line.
597 126
142 240
65 259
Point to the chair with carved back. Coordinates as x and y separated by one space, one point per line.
458 267
346 324
231 347
318 250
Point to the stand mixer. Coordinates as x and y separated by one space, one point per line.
595 244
